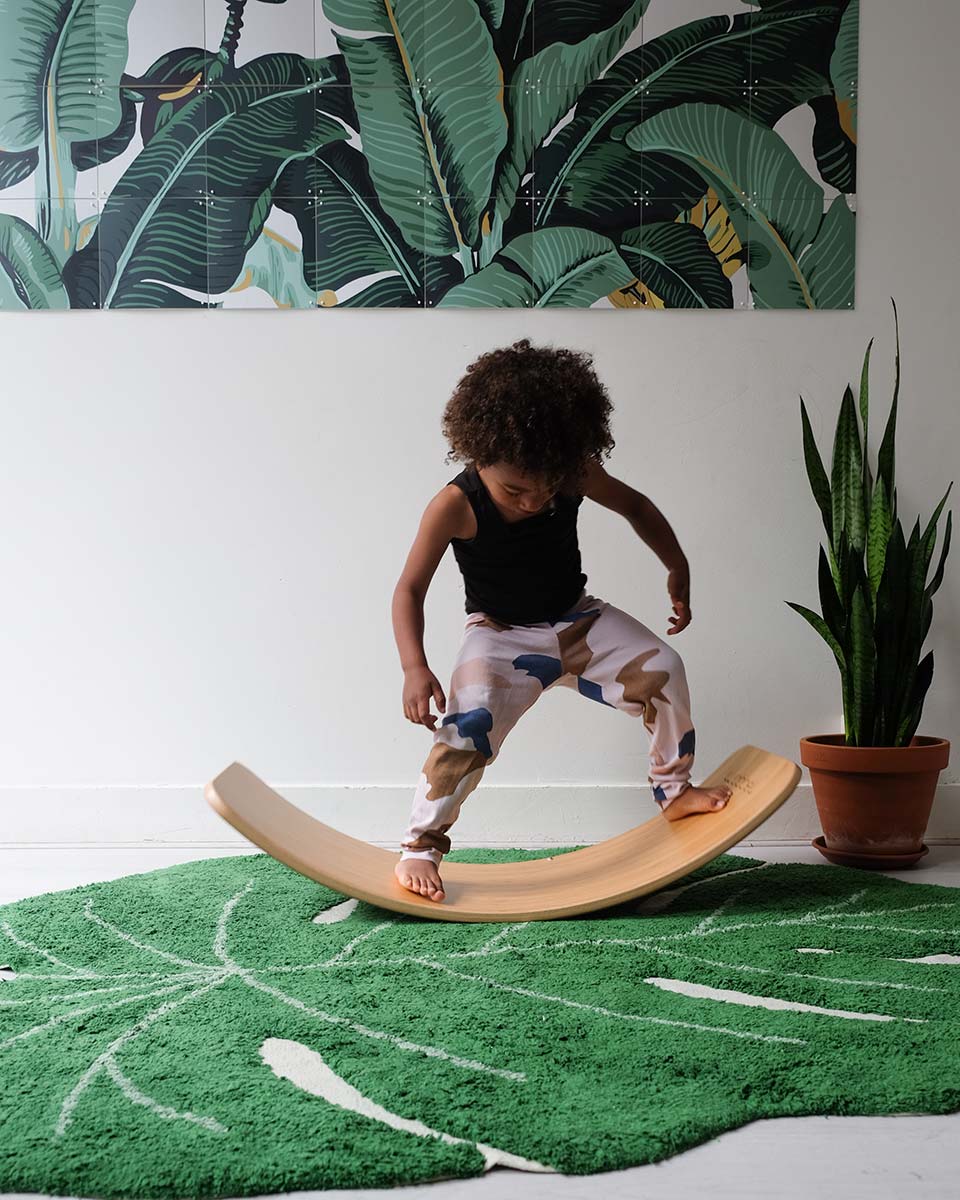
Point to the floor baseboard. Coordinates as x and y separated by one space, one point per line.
496 815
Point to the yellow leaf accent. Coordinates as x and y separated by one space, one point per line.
183 91
327 299
243 282
709 215
635 295
847 119
282 240
85 232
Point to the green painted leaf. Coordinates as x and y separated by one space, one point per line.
14 168
836 155
156 236
844 69
603 192
494 286
703 61
828 262
50 50
773 203
560 266
545 86
276 266
674 260
87 155
492 12
429 99
350 236
29 275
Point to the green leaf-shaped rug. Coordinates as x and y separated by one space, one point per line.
227 1026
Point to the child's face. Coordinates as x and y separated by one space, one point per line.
523 494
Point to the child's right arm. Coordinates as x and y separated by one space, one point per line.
446 516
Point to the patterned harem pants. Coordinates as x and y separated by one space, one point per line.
500 670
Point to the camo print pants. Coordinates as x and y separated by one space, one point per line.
500 670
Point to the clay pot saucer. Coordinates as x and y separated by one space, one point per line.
877 862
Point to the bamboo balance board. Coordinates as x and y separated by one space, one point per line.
631 864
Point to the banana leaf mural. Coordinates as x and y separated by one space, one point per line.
428 153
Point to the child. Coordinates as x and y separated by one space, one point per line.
532 425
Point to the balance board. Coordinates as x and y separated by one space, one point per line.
621 868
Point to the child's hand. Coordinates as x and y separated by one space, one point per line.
420 686
678 585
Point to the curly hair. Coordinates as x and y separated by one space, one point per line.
541 409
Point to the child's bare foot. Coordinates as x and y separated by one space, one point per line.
697 799
420 875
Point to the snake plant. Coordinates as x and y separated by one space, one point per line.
875 597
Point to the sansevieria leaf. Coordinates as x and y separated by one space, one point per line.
886 455
878 536
865 422
937 579
862 665
832 609
816 475
820 625
846 486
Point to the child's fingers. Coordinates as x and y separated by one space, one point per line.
439 698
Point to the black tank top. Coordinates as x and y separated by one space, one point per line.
522 571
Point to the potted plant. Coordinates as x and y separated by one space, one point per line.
874 784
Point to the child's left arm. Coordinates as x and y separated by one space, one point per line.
652 527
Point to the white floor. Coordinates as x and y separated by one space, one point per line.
856 1158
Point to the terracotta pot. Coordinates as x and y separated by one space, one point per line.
873 801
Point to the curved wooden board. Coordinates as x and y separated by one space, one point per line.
621 868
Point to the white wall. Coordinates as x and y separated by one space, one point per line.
202 516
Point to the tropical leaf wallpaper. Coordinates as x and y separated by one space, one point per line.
427 153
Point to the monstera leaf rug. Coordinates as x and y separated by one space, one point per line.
228 1027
